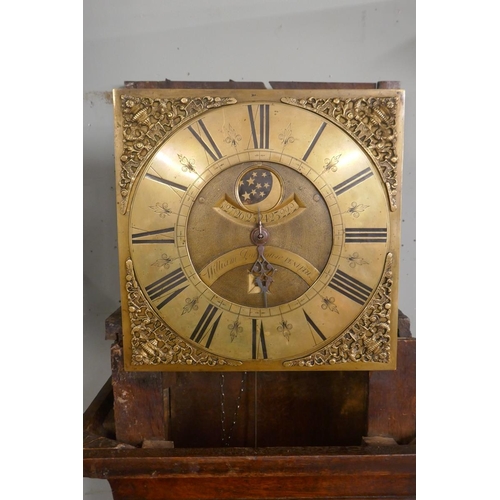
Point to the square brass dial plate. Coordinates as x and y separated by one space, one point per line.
259 229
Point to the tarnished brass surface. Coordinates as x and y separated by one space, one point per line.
197 171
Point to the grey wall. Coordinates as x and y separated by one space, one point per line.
218 40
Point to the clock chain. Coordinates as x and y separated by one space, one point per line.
227 434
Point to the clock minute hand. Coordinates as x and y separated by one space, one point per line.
262 269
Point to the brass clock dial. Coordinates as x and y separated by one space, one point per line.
259 230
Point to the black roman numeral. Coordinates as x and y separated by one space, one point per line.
353 181
167 182
211 149
260 137
314 141
366 235
145 237
314 327
202 328
258 340
168 283
350 287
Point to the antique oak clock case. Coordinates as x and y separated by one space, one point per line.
259 229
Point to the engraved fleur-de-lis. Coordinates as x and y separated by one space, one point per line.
355 260
355 209
161 209
187 165
191 305
286 136
329 303
235 328
163 262
285 327
331 163
232 137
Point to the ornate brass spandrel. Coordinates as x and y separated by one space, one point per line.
146 122
367 340
372 122
152 343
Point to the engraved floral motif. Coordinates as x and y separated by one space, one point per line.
368 339
191 305
286 136
161 209
234 329
187 165
163 262
232 137
355 209
331 163
329 303
355 260
285 327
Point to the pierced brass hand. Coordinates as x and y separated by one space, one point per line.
262 269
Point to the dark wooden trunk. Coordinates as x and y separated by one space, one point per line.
297 435
261 409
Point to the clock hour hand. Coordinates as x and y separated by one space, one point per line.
262 269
